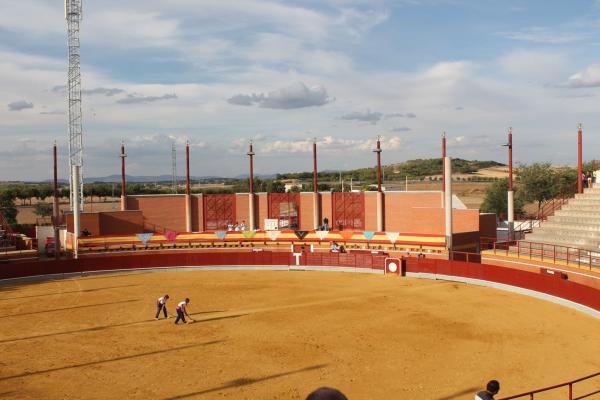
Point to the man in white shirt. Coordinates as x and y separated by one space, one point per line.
161 304
182 311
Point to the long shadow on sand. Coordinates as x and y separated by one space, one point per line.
150 353
245 381
67 292
460 394
25 314
101 328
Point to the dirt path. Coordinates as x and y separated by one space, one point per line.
278 335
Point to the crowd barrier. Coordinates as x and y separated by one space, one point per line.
545 281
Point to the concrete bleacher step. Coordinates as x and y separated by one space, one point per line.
571 226
578 213
582 207
563 241
584 201
574 219
579 234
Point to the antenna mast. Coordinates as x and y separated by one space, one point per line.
73 16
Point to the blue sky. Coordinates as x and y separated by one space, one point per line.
219 73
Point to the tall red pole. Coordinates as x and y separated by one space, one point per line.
579 160
56 210
55 188
123 183
251 155
378 151
187 168
315 189
510 160
251 209
443 164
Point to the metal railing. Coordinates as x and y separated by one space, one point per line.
550 253
531 394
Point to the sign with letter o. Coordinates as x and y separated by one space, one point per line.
393 266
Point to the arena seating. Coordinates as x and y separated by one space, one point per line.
577 224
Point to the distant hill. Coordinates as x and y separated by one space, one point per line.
412 168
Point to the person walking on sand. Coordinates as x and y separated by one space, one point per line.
182 311
161 304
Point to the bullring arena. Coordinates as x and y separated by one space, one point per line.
271 325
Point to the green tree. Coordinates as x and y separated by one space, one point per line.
7 206
42 209
496 198
538 182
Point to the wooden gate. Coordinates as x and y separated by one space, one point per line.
285 208
219 211
348 211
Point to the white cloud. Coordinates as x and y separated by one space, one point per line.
327 144
545 35
589 77
536 65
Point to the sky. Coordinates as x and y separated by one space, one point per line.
219 73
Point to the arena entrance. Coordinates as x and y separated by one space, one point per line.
348 211
285 208
219 211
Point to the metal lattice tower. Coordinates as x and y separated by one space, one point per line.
174 167
73 17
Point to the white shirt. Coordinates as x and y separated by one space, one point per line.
162 300
182 305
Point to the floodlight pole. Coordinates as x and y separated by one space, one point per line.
316 208
56 208
379 192
511 195
123 182
443 156
448 203
188 194
579 160
251 194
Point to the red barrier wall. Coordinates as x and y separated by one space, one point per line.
546 283
542 282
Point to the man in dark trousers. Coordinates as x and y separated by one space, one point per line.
182 311
492 389
161 304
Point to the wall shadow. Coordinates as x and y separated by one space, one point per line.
245 381
460 394
101 328
67 292
150 353
24 314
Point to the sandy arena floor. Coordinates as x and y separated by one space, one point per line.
278 335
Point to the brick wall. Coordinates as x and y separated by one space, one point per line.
161 213
370 211
121 222
306 211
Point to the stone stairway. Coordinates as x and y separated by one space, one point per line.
577 224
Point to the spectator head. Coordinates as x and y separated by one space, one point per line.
493 386
187 300
166 296
326 393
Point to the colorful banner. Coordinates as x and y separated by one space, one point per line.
301 234
144 237
393 236
248 234
321 234
170 235
369 235
273 235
